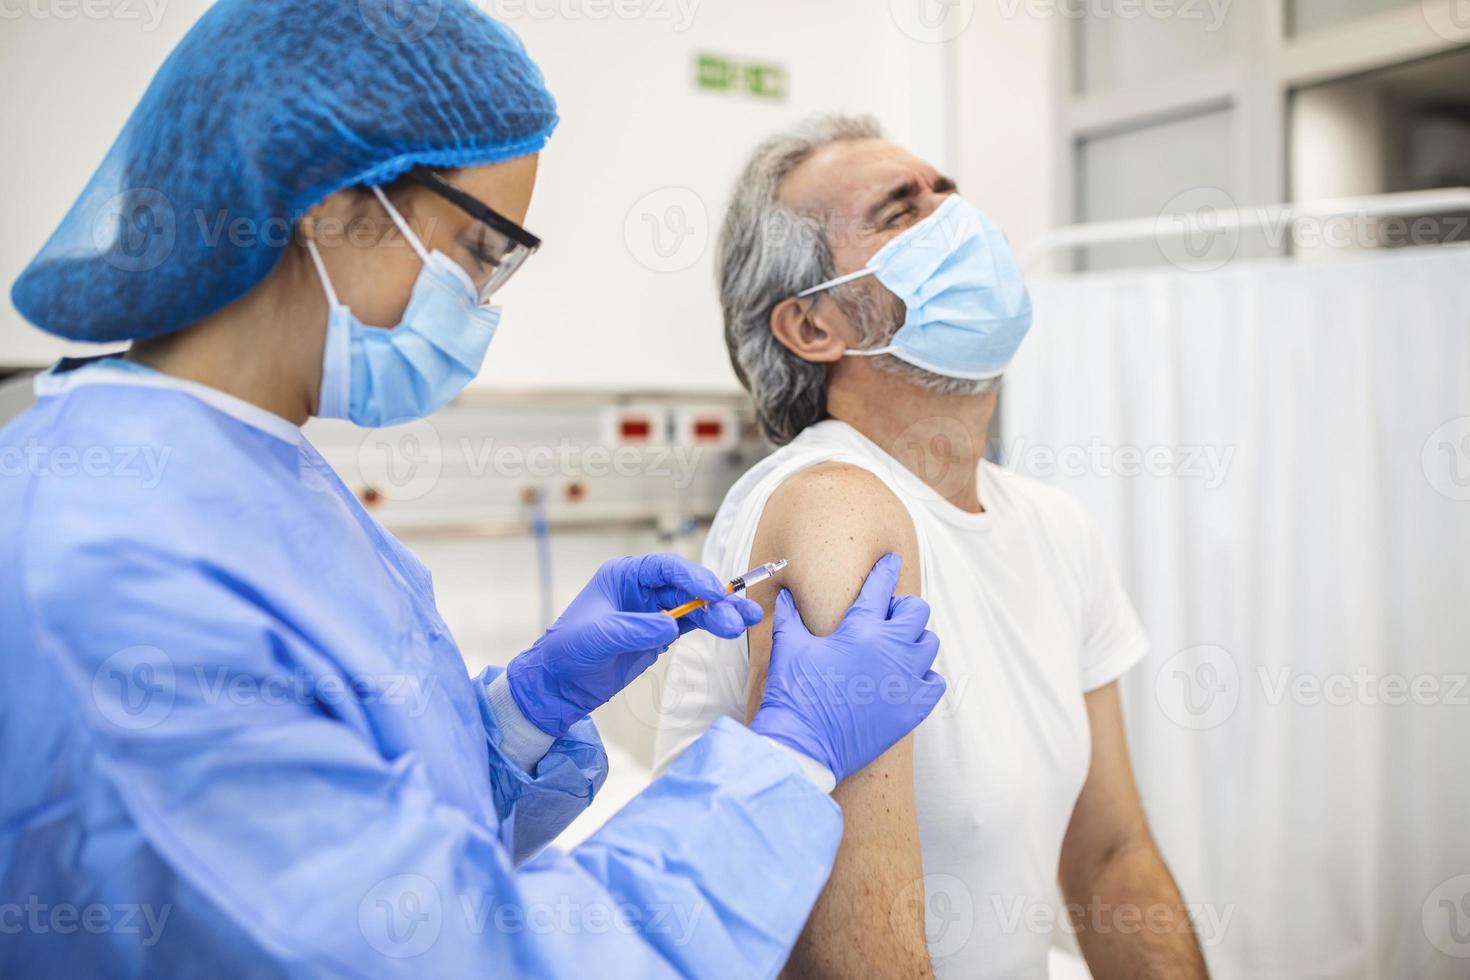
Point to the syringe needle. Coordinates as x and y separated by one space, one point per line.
740 583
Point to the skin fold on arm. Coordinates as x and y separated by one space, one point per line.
833 522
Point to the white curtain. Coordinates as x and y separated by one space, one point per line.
1279 453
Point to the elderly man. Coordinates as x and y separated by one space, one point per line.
870 311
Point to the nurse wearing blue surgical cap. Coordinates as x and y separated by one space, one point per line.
236 737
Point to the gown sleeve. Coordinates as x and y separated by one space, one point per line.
332 856
540 784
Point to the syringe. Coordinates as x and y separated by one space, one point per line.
739 583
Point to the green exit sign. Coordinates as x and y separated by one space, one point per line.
720 74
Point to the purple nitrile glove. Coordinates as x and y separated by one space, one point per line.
844 699
613 630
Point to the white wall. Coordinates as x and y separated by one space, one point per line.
598 307
637 140
69 82
1006 79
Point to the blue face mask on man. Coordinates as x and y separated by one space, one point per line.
968 308
375 376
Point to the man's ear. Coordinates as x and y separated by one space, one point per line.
801 327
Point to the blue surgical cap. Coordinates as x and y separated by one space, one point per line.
264 109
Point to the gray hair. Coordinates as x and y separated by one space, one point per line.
768 253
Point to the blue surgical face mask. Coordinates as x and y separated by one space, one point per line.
968 308
378 377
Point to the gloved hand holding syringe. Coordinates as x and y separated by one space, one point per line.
813 702
739 583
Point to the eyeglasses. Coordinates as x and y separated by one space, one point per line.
496 246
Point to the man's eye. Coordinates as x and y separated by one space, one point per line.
898 217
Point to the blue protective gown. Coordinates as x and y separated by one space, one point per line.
236 739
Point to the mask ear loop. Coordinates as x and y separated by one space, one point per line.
916 233
321 272
333 396
403 227
418 246
834 283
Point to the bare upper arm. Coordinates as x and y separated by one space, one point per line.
833 522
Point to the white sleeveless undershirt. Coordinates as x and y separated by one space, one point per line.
1030 615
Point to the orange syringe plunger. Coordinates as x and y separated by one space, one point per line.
739 583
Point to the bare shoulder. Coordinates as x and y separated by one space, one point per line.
837 506
833 522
